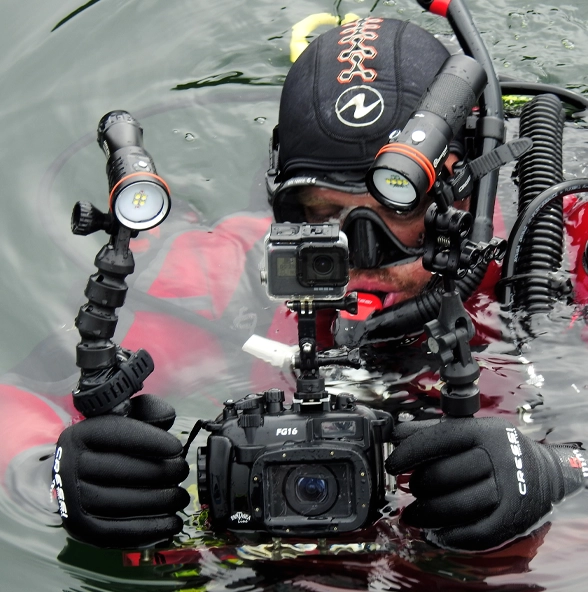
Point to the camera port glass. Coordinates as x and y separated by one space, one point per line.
319 266
310 490
323 264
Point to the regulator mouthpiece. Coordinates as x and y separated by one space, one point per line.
139 197
406 169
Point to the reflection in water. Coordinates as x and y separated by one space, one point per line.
394 560
74 13
230 78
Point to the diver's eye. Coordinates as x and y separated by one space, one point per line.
322 213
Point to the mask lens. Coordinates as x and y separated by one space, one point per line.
372 244
292 201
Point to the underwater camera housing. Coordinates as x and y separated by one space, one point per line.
305 260
314 468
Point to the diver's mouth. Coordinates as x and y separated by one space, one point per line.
374 284
390 299
386 298
390 285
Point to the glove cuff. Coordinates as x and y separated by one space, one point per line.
571 465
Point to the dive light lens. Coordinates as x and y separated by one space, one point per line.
141 205
396 189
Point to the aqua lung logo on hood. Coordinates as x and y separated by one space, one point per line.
359 106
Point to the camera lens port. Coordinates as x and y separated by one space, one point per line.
323 264
311 490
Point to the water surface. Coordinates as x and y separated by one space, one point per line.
204 80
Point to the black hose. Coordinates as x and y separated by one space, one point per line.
522 227
409 317
541 252
491 123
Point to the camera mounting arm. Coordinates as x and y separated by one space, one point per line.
310 387
451 254
110 375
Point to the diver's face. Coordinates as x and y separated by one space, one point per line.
398 282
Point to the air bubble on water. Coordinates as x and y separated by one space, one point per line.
567 44
517 18
189 137
260 120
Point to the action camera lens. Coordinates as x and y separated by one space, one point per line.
323 264
311 489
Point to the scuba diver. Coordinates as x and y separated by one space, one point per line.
478 482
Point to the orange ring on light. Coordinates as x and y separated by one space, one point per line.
137 175
415 155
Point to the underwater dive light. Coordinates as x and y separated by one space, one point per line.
406 169
139 198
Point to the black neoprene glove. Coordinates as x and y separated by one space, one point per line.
479 482
117 478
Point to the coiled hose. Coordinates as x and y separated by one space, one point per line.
524 223
541 252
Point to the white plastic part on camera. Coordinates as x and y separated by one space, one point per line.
276 353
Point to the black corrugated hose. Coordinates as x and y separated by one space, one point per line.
541 251
404 320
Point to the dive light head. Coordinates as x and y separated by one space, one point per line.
406 168
139 198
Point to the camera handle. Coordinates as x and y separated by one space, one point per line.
449 253
110 375
310 386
